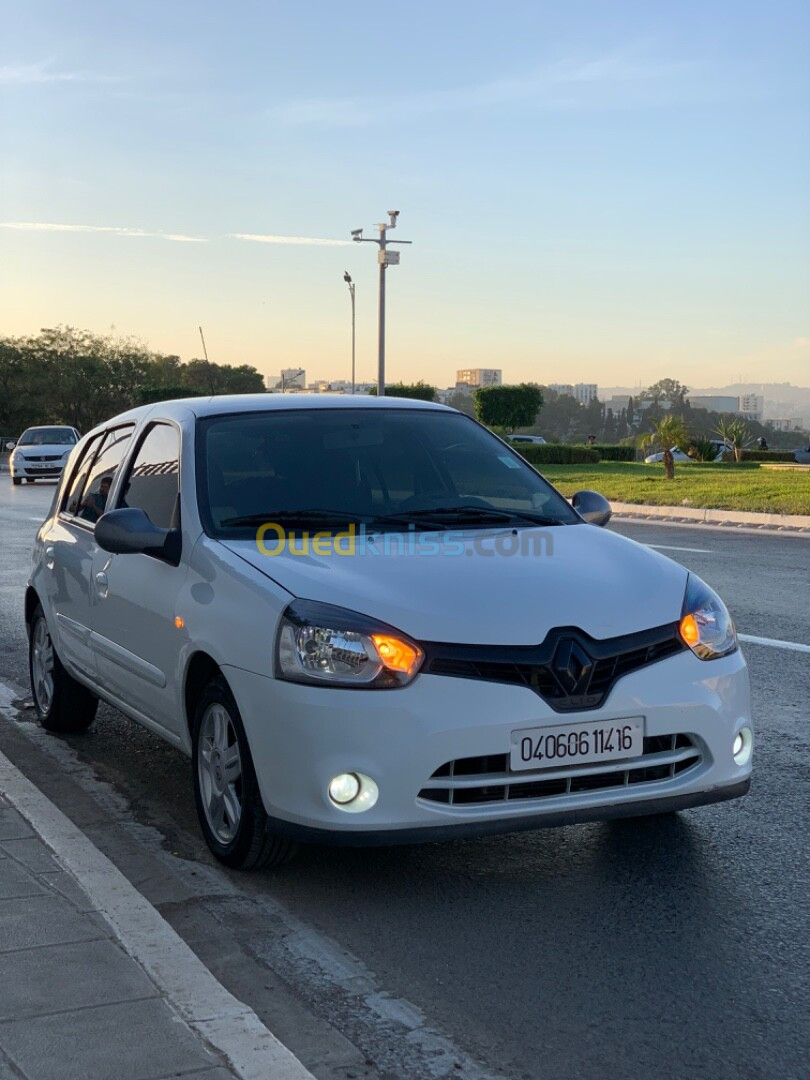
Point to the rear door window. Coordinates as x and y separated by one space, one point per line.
103 472
72 501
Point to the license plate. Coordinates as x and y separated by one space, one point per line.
577 744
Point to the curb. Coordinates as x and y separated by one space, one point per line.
702 516
225 1024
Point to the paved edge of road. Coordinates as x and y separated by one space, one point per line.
227 1025
703 516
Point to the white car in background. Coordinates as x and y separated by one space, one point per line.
370 621
40 453
538 440
679 455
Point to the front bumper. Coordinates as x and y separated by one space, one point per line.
33 472
302 736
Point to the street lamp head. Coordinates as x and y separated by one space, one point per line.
356 234
347 277
393 215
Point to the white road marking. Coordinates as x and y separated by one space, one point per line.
671 547
794 646
222 1021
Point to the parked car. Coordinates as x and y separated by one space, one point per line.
368 621
537 439
680 455
802 456
40 453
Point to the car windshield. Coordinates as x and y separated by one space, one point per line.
385 468
48 436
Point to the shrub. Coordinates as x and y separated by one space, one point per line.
763 455
614 452
556 454
701 448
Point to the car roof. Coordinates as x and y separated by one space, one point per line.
230 404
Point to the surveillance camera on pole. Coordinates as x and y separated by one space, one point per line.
384 260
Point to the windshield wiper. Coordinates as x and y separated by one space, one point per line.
472 515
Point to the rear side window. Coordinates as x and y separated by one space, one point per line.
102 474
153 481
71 504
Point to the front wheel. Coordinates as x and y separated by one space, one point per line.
229 804
62 704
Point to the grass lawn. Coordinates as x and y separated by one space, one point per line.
723 486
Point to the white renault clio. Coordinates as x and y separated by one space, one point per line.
370 621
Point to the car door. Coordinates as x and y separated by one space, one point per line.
134 636
70 547
65 573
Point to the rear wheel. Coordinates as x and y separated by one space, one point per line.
16 480
229 804
62 704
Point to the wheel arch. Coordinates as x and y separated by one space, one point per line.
32 601
201 669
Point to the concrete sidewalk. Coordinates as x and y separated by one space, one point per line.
94 983
72 1003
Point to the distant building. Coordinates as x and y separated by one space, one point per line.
717 403
584 393
293 378
787 423
479 377
751 406
618 402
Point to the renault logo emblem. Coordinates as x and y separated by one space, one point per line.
572 667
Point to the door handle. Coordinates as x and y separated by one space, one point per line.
102 584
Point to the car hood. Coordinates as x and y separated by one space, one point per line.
45 448
466 592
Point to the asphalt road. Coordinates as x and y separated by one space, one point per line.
649 949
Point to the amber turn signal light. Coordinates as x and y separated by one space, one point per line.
396 654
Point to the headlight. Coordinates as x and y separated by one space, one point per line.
706 626
319 643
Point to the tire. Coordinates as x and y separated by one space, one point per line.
229 804
16 480
62 704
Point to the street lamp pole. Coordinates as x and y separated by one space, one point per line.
385 259
350 283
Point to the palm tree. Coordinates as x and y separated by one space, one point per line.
735 433
667 432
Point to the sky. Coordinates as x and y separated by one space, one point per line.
597 192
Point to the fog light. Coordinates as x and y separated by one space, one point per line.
353 792
344 788
742 746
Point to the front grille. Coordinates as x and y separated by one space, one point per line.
570 670
46 457
477 780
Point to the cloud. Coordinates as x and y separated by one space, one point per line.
42 72
259 238
563 84
115 230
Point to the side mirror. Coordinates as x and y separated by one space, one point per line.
130 532
592 507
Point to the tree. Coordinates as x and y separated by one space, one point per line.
419 391
667 390
509 407
735 432
667 432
